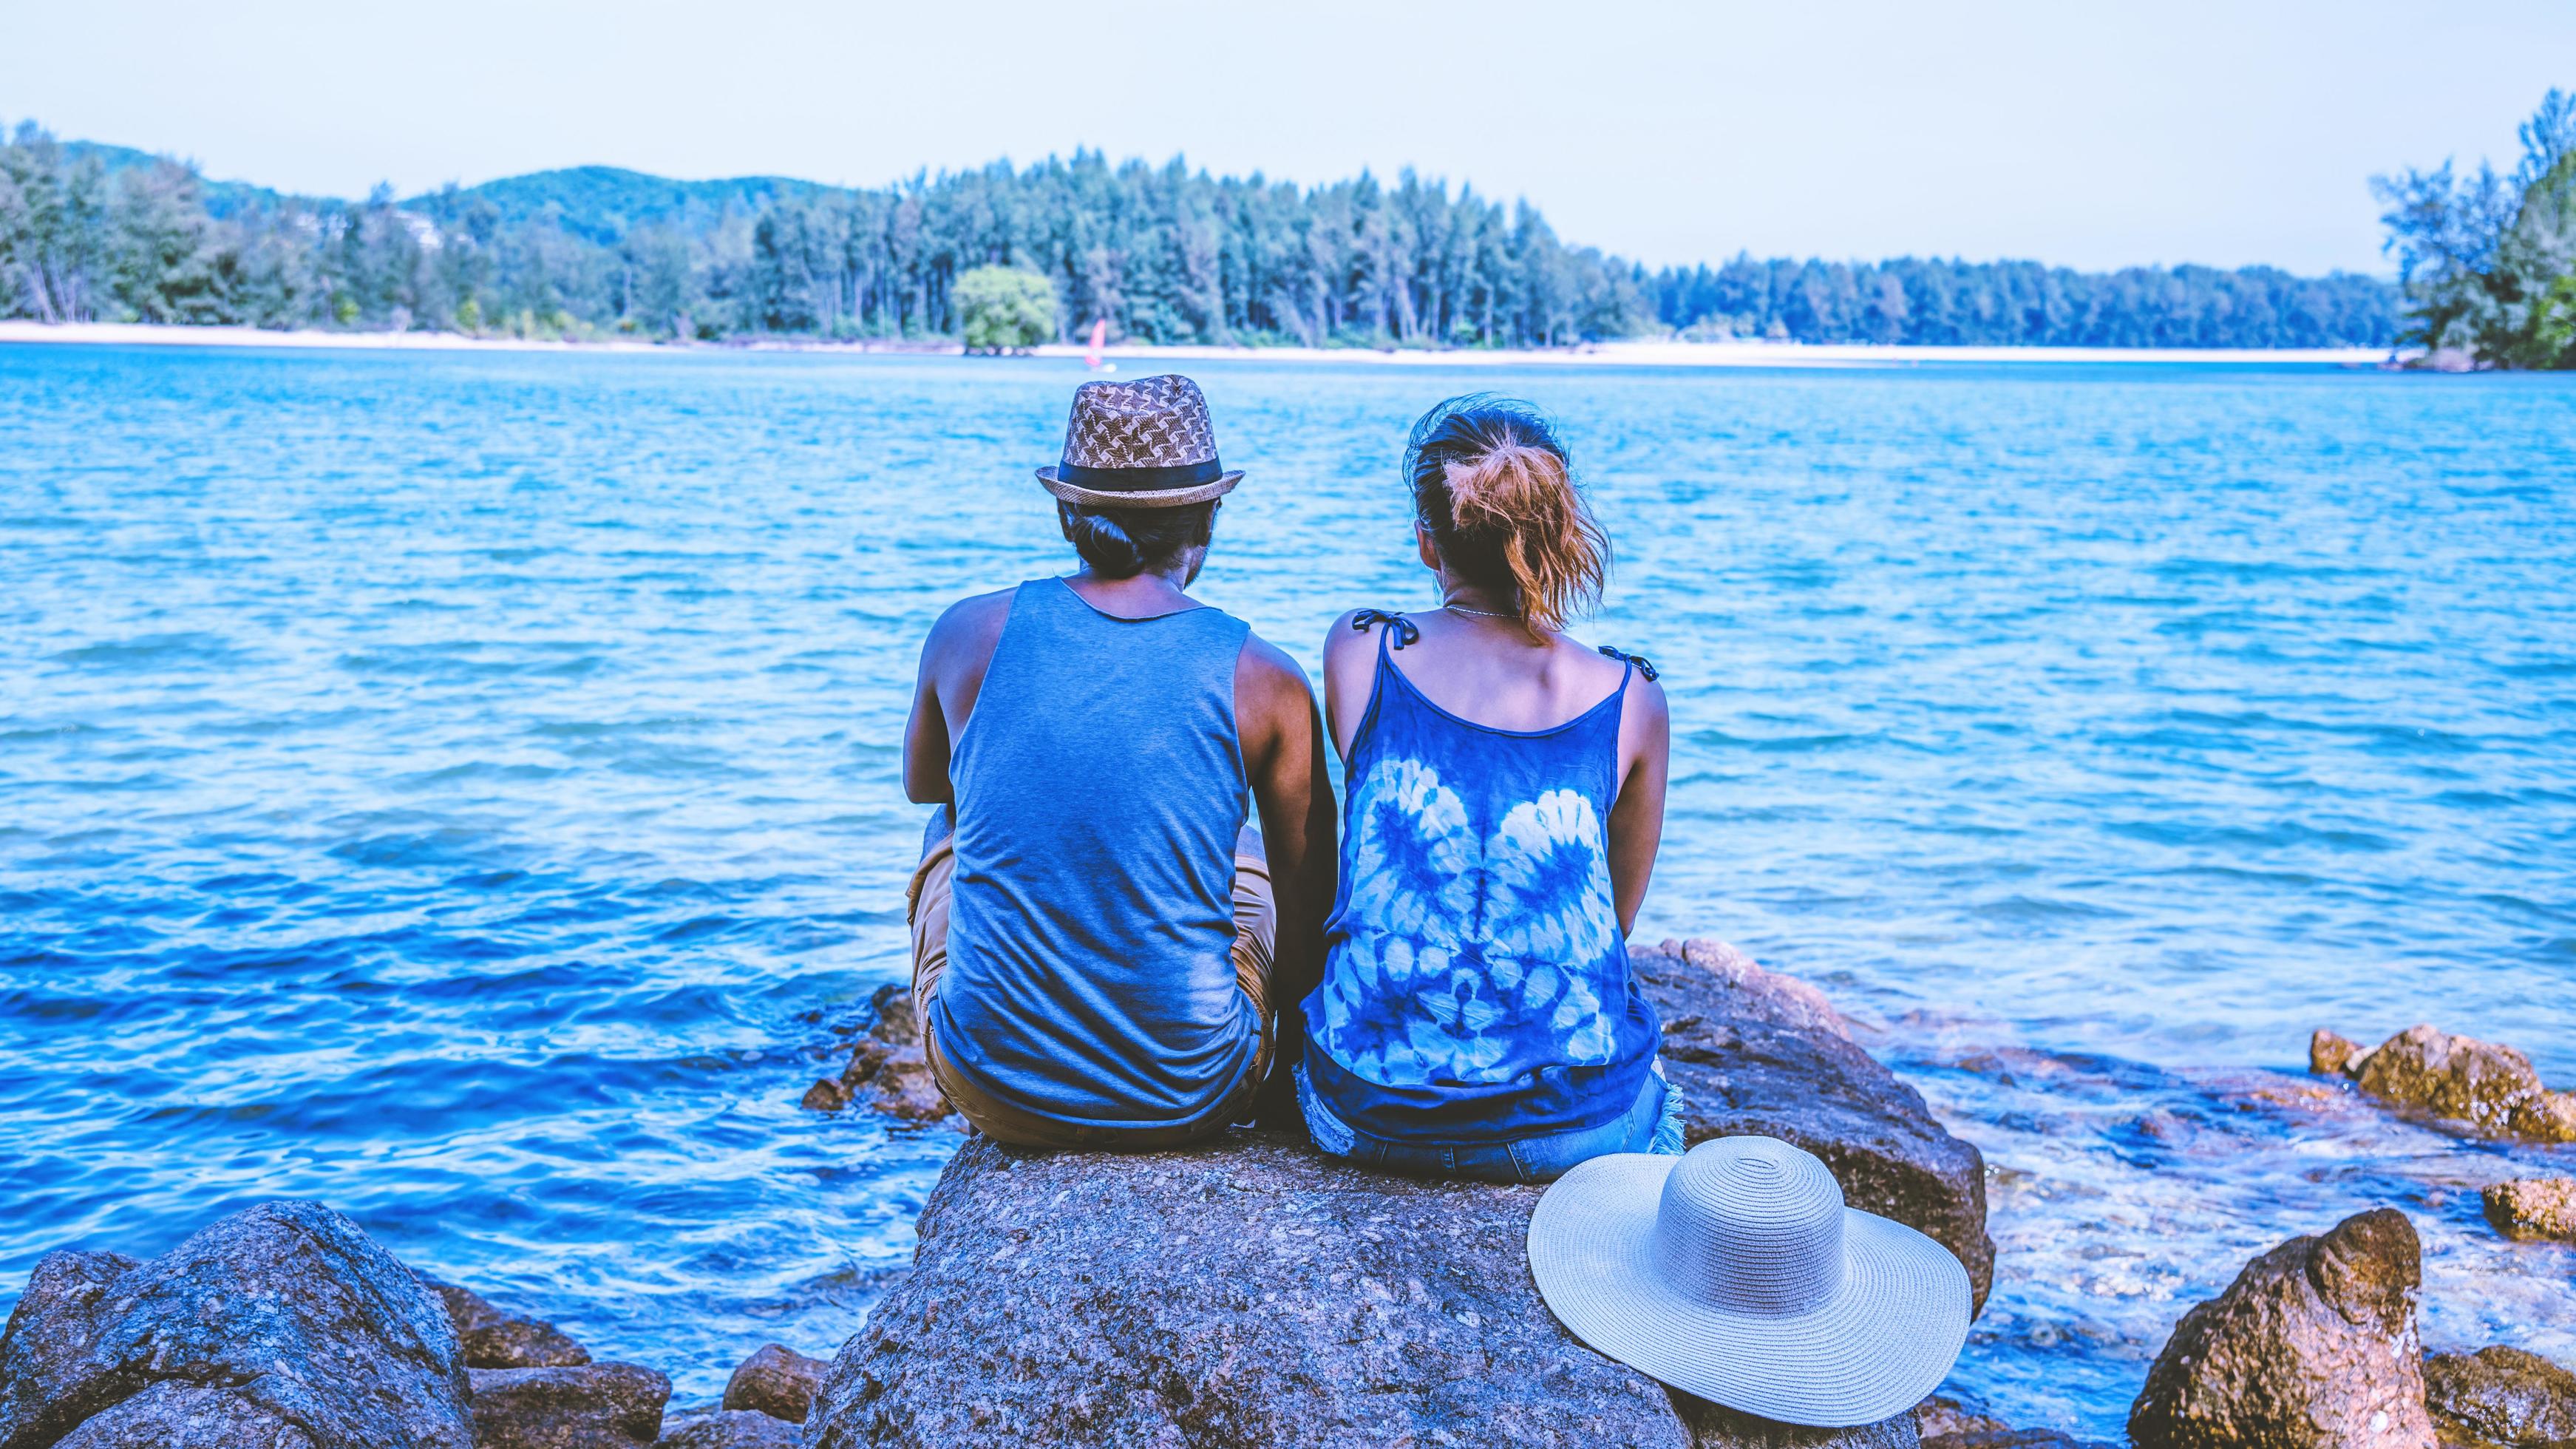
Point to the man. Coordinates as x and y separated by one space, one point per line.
1102 952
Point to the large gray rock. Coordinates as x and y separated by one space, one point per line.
1252 1291
1758 1053
1247 1291
283 1325
495 1338
2312 1347
586 1406
2500 1397
2491 1089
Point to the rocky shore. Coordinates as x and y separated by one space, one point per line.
1249 1291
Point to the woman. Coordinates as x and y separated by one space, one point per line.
1505 791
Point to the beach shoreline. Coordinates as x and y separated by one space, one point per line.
1597 354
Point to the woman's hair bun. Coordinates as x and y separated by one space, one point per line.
1495 487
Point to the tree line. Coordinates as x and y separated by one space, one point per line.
2487 262
1163 253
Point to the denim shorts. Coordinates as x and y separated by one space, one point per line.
1653 1124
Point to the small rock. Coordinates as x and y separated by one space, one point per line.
2330 1055
728 1429
2500 1396
494 1339
2534 1207
777 1381
2312 1347
2491 1088
590 1406
887 1069
283 1325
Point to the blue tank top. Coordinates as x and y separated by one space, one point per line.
1100 789
1476 985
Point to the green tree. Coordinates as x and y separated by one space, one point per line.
2480 257
1003 308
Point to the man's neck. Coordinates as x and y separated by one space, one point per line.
1139 596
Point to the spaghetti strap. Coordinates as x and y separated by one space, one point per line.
1637 662
1402 631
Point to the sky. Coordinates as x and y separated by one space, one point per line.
2088 133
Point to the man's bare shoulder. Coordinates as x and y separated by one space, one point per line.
1266 673
976 618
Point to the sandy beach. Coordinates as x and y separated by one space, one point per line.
1609 354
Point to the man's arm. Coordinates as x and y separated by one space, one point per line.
1283 751
953 661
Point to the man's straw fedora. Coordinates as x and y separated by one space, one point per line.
1141 444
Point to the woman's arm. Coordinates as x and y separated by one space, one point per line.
1637 820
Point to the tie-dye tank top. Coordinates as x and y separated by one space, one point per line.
1476 984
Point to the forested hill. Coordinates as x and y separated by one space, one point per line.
603 203
1162 253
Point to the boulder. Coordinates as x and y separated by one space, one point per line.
777 1381
2312 1347
1244 1291
2534 1207
2500 1397
2490 1088
887 1069
2330 1055
1754 1052
588 1406
495 1339
281 1325
728 1429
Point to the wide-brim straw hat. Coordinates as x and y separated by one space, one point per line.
1141 444
1736 1273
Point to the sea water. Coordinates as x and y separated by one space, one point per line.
463 788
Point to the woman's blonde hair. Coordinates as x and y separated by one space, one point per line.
1494 486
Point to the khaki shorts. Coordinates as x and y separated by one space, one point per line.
1256 929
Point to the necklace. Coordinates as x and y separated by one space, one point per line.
1479 613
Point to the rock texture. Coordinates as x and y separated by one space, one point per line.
2312 1347
1946 1424
590 1406
777 1381
1246 1291
2534 1207
1755 1052
494 1339
2490 1088
887 1070
281 1326
728 1429
2500 1397
2330 1055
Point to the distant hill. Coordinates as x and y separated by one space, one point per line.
223 198
603 203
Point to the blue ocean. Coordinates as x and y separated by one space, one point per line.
462 787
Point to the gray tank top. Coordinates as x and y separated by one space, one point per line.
1100 789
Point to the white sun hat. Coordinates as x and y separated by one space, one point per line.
1736 1273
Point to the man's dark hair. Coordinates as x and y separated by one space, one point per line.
1120 543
